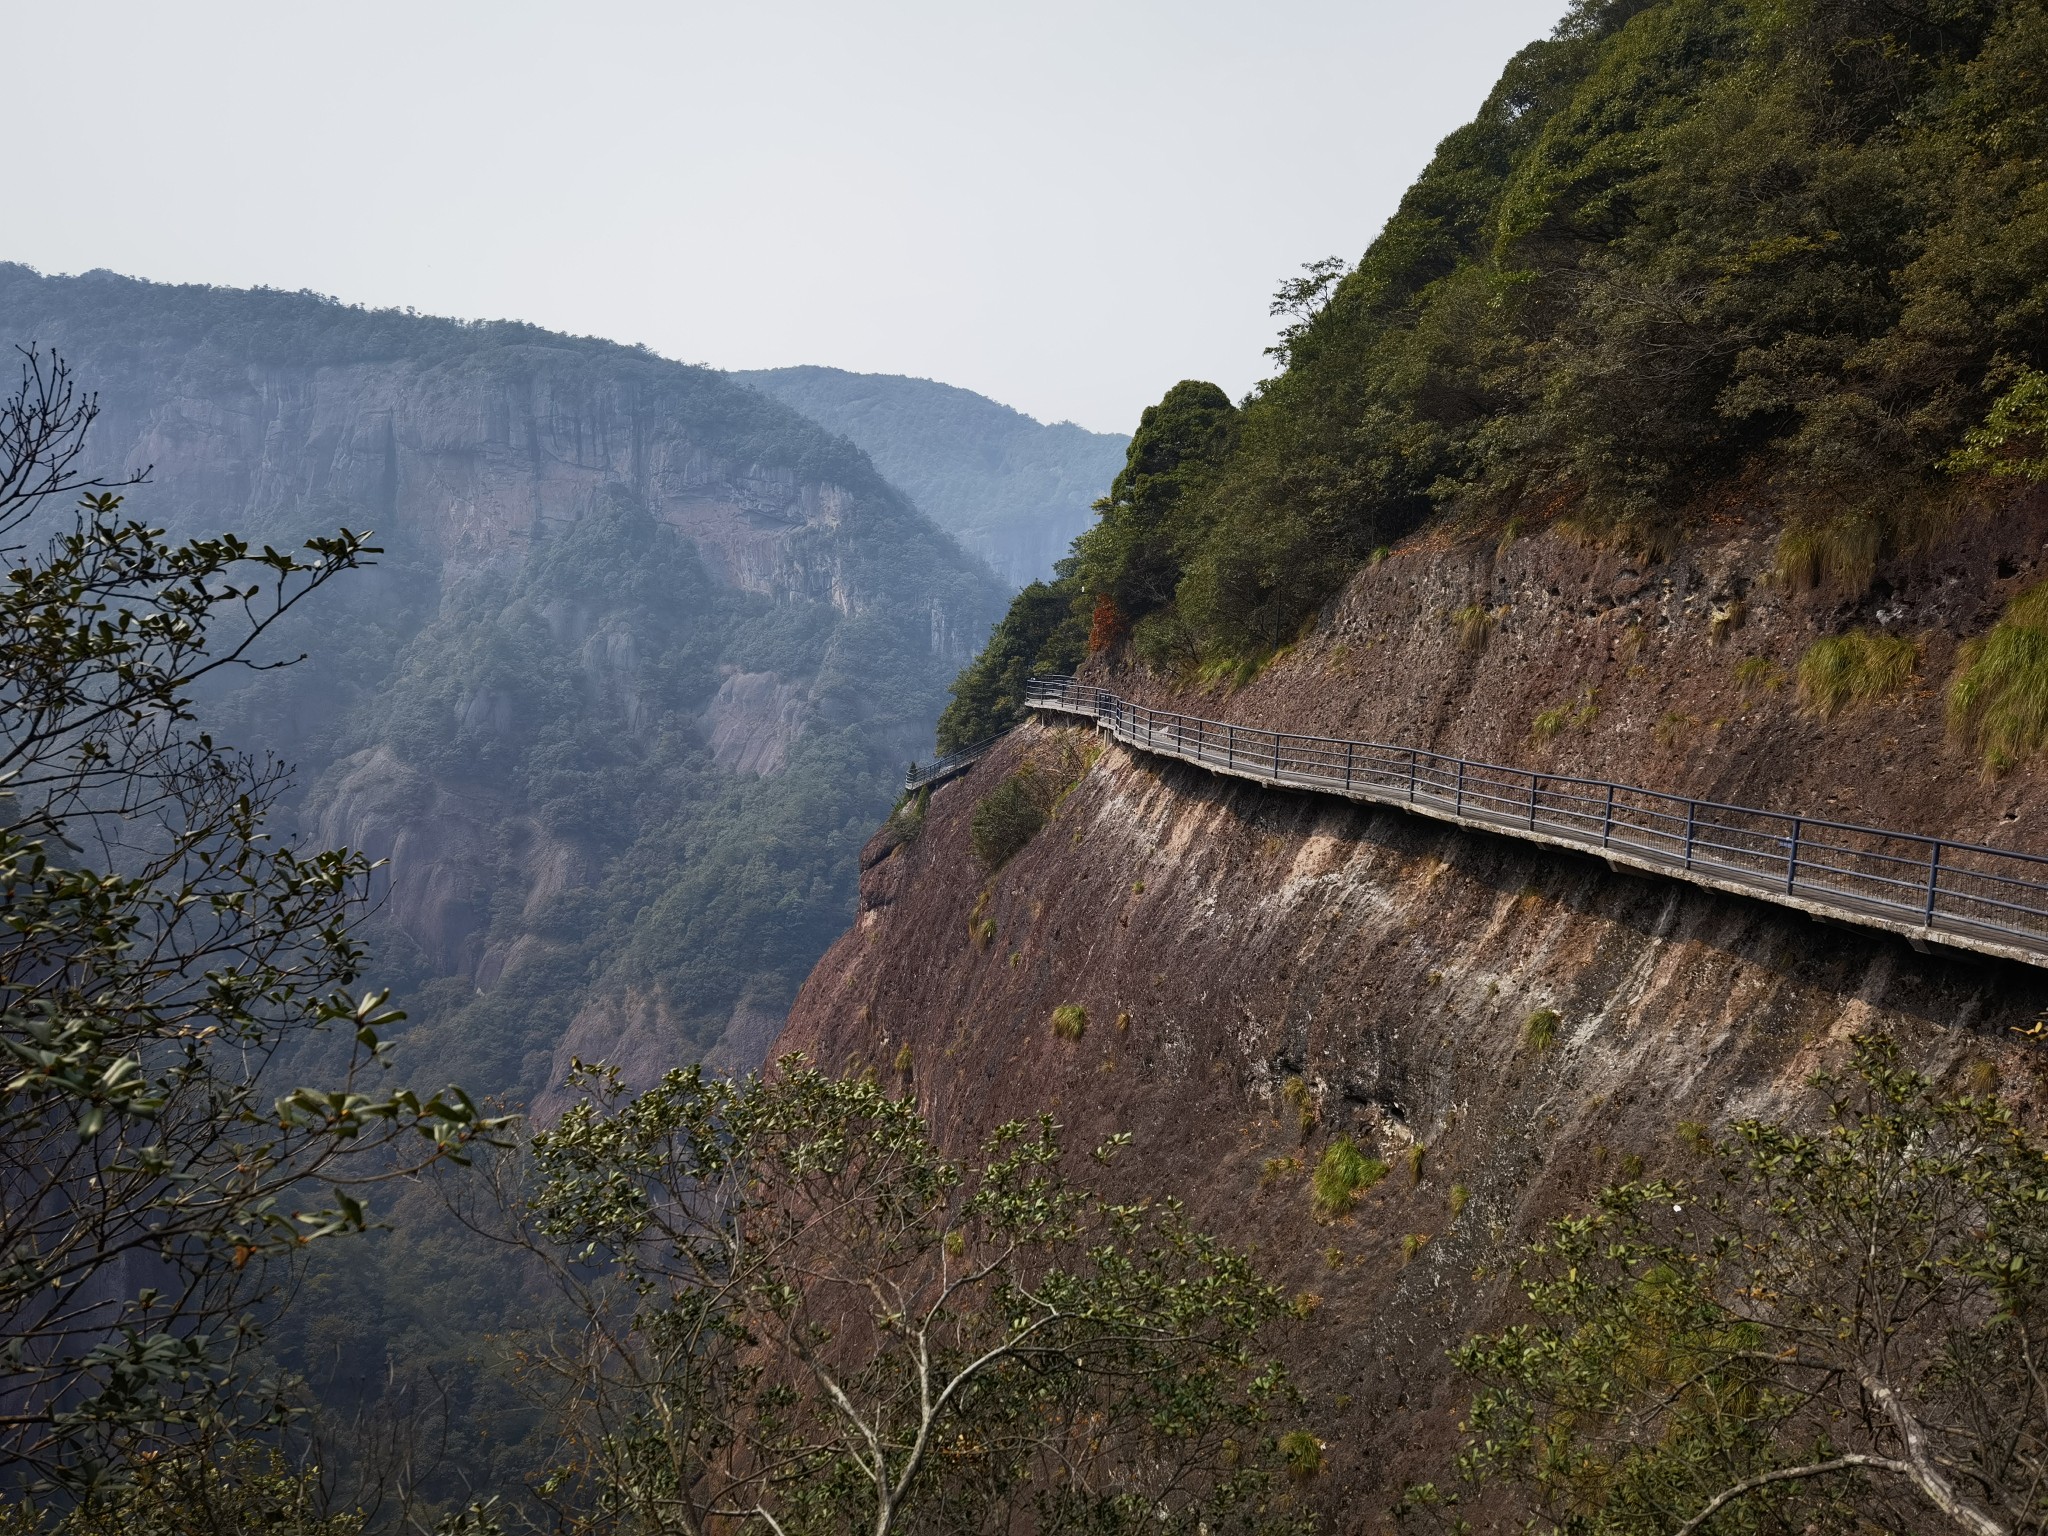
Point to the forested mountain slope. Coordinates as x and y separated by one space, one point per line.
643 660
1013 490
1691 254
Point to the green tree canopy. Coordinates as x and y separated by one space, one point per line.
1821 1330
801 1312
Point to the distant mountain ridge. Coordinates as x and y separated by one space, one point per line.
1012 489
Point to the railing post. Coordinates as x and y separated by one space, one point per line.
1792 857
1933 881
1691 810
1458 804
1276 757
1607 823
1229 746
1411 775
1532 802
1347 767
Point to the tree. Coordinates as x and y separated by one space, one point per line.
799 1314
1827 1330
1133 554
157 952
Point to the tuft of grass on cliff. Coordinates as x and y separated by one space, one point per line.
1998 701
1839 672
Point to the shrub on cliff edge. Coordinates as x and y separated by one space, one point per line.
1009 816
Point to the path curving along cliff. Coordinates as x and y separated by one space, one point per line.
1929 889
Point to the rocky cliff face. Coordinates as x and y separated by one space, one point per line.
1225 939
1677 673
617 593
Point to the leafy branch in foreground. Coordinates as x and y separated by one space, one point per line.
1833 1330
157 952
799 1314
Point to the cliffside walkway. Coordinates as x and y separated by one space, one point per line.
1927 889
927 775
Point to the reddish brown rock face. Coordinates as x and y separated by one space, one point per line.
1678 674
1224 939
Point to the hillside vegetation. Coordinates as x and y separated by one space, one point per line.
1688 249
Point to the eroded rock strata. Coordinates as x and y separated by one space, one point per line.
1225 939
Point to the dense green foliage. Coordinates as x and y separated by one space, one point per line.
1136 554
796 1304
1800 244
1819 1330
1013 490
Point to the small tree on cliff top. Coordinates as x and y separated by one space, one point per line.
800 1316
1840 1330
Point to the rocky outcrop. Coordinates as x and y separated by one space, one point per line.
754 720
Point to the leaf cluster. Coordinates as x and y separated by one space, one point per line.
1832 1329
798 1310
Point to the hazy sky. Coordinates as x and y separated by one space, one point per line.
1066 204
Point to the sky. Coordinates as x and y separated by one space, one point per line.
1067 205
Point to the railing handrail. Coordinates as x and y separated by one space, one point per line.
1809 861
919 775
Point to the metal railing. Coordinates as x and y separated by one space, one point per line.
922 775
1992 900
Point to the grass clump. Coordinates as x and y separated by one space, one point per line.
1672 728
1413 1244
1274 1169
1302 1101
1549 722
1460 1198
1540 1030
1341 1177
1474 626
1416 1153
1070 1021
1838 555
1302 1453
1998 700
1759 673
1859 667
